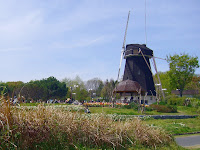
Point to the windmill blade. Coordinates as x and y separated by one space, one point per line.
154 63
122 54
123 47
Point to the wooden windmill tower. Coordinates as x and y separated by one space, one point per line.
137 67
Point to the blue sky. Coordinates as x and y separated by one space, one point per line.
65 38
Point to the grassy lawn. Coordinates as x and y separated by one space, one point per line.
188 110
176 126
182 110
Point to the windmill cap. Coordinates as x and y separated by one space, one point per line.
134 50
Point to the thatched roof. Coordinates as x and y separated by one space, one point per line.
128 86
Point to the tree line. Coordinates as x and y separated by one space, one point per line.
180 76
52 88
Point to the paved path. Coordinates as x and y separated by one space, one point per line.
188 141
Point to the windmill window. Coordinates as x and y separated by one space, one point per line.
138 72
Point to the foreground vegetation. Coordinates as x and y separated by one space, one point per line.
46 127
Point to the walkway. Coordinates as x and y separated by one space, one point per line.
189 141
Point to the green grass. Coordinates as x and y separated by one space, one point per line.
182 110
176 126
188 110
118 111
29 104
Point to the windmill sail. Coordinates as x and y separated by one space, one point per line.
123 47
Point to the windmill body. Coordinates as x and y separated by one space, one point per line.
137 68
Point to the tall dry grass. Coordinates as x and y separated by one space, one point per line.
47 127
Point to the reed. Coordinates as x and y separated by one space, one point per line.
45 127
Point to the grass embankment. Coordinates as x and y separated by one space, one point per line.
46 127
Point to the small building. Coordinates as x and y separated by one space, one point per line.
132 91
186 93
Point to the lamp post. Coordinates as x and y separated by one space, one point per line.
74 95
90 91
72 90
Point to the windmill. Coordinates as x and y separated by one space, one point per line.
137 66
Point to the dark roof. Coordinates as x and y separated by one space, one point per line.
133 49
136 46
128 86
186 92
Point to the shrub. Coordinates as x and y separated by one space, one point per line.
169 97
194 102
179 101
149 109
162 103
131 106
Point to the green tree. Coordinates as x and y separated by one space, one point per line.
81 94
194 84
32 91
13 88
107 91
182 68
76 88
54 88
45 89
95 85
165 81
